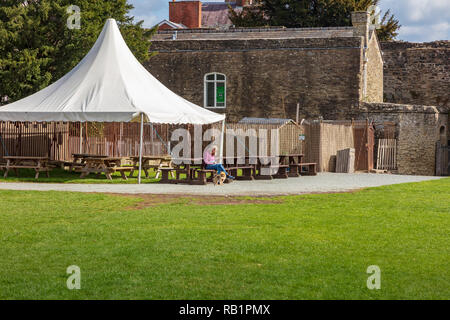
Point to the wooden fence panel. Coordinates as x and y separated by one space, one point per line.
345 161
387 154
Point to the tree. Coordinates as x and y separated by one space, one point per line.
312 13
37 47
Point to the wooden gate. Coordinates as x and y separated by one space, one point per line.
364 137
387 154
442 160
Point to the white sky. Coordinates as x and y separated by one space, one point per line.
421 20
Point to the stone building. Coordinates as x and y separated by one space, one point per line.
332 73
267 72
418 130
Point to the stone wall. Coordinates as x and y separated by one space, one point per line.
267 77
417 73
417 133
374 89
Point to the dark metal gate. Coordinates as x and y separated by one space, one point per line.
442 160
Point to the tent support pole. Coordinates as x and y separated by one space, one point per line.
222 141
140 147
81 137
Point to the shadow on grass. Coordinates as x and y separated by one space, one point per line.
64 176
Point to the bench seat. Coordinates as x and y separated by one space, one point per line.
26 167
165 174
312 169
200 176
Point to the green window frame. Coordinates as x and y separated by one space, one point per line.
215 90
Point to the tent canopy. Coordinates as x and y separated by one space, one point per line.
108 85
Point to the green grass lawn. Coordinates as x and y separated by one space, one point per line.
297 247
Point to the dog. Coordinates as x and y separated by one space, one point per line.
219 179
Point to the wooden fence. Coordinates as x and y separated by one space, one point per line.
387 154
318 141
59 140
34 139
269 139
325 138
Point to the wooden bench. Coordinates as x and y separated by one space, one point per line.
311 169
122 171
200 176
64 164
282 171
295 170
38 164
106 165
165 172
247 172
16 168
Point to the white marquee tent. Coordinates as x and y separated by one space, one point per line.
109 85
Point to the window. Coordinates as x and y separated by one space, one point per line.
215 90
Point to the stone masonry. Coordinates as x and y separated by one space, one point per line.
327 70
418 130
417 73
267 77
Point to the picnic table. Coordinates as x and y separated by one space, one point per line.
79 160
26 162
151 162
246 164
293 161
297 166
187 166
241 167
106 165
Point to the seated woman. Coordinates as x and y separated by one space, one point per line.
210 161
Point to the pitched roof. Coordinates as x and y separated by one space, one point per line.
108 85
172 24
215 14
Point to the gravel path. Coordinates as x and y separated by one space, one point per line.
324 182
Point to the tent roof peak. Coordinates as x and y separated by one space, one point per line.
111 85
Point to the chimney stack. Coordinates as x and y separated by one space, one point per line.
361 25
188 13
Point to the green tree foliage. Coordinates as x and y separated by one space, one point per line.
37 48
312 13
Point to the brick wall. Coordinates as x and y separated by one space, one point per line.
417 73
165 26
267 77
417 133
188 13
